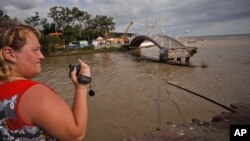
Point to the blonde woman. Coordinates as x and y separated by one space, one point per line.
28 109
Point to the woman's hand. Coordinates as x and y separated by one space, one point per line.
84 70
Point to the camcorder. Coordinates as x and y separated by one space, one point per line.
81 78
71 68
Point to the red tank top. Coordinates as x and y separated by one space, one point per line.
12 127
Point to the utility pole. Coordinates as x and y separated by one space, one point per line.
159 25
170 35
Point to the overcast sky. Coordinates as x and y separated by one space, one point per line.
200 17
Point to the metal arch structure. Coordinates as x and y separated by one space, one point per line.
169 48
136 42
161 41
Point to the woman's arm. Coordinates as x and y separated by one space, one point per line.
43 107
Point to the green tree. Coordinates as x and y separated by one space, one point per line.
63 16
100 26
79 20
33 20
47 27
56 16
77 24
70 34
3 16
50 43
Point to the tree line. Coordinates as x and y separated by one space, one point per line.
73 24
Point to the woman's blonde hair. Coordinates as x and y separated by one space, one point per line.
13 35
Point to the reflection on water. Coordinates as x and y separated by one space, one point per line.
132 96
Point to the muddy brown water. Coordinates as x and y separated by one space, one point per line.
132 96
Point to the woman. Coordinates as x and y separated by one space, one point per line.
28 109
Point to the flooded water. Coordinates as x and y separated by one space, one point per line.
132 96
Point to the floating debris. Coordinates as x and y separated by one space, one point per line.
181 133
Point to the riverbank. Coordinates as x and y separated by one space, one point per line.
216 129
79 51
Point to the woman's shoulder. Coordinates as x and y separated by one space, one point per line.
38 99
40 88
40 96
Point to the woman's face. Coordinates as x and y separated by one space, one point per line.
28 63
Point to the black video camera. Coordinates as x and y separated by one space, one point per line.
81 78
71 68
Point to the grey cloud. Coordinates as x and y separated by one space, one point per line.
21 4
181 13
214 11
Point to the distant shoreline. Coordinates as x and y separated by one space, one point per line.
108 48
87 51
223 36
